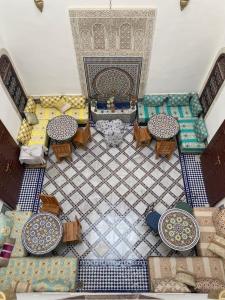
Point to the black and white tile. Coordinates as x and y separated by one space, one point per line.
109 190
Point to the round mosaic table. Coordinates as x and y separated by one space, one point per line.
42 233
163 127
178 229
62 128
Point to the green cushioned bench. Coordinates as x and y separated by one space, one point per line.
187 138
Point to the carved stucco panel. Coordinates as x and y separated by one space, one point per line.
137 43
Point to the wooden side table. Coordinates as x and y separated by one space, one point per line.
72 231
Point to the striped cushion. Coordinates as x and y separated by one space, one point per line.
204 217
178 111
201 267
217 246
46 113
188 141
146 112
39 134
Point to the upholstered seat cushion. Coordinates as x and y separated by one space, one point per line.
33 269
80 114
146 112
19 218
204 217
201 267
46 113
188 140
39 134
177 111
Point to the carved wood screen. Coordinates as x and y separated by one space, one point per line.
213 84
12 83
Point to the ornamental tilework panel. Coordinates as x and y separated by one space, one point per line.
113 33
109 190
107 76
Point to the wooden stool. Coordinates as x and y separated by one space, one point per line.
72 232
50 204
141 136
62 151
165 148
82 136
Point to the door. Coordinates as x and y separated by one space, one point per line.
213 167
11 171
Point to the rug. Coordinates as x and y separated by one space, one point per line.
109 190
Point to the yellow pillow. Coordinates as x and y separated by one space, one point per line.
49 101
30 106
75 101
24 134
62 106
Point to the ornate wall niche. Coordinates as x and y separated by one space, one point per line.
113 33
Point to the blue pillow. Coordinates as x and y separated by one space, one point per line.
154 100
200 130
178 99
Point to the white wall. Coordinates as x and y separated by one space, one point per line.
42 48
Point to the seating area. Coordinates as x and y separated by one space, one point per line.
112 150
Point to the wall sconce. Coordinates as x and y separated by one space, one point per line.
39 4
183 4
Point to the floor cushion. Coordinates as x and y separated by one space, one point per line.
204 217
187 138
39 134
33 269
146 112
19 219
46 113
6 224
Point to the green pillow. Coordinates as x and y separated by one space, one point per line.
200 130
195 105
6 225
47 285
154 100
178 99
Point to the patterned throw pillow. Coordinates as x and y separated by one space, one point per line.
217 246
24 134
21 286
6 225
178 99
195 105
51 286
200 130
219 222
185 277
170 286
75 101
31 118
154 100
62 105
30 106
206 285
19 219
49 101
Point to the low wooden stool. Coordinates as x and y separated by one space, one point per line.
50 204
72 232
62 151
165 148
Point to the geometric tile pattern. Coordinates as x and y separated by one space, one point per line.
30 189
119 276
193 180
109 190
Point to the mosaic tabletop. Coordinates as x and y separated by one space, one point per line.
62 128
163 127
178 229
42 233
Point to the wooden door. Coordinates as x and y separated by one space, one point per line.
11 171
213 167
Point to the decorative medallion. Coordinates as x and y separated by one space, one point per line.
42 233
101 33
178 229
